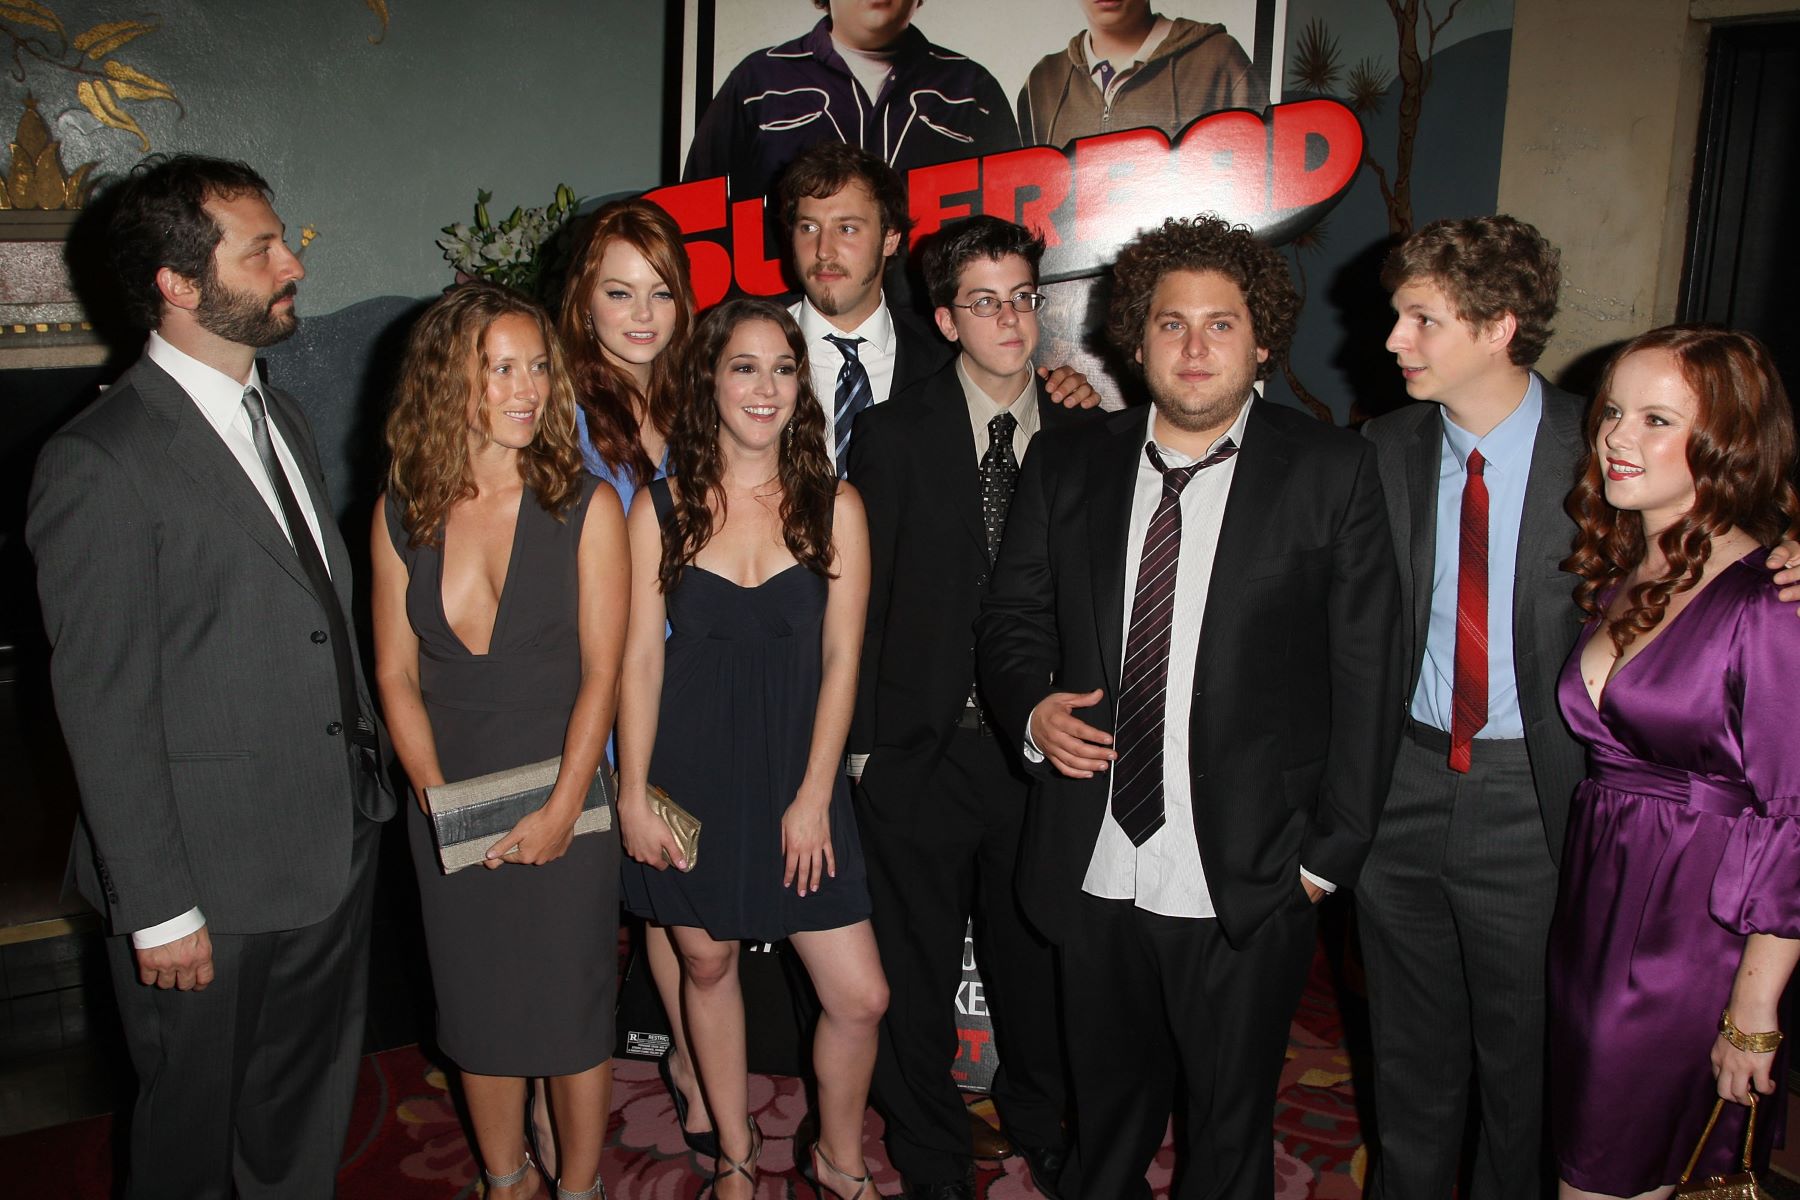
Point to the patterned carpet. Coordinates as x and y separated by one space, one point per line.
407 1140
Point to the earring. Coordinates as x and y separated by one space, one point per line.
587 319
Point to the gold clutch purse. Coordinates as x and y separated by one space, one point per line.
1740 1185
682 823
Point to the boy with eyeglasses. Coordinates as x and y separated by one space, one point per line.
940 798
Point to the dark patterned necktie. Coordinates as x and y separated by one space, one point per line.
357 729
1469 675
853 395
1137 795
999 472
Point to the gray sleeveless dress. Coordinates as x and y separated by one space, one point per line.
524 959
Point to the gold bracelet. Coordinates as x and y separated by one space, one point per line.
1749 1043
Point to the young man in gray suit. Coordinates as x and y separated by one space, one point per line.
1458 891
196 592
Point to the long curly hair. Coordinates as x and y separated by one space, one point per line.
1205 243
806 474
1740 451
428 431
607 392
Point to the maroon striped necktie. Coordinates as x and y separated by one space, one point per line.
1137 795
1469 683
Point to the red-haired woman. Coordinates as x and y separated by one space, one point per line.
625 318
758 560
500 589
1681 877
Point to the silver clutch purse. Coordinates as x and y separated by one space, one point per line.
469 815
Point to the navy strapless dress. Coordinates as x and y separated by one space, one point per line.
741 672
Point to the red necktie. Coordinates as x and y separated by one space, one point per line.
1469 687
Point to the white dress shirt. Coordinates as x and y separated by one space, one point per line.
220 399
1164 874
826 360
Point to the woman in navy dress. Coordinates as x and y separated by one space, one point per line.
757 558
626 314
500 592
1680 895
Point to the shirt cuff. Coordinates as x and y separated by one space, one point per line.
174 929
854 764
1032 753
1324 885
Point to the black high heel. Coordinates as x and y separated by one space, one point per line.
811 1173
706 1141
723 1166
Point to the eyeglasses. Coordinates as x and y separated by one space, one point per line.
989 306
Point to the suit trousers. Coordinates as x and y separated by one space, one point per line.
247 1085
1153 1001
1454 910
951 853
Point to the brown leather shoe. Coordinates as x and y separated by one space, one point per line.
987 1141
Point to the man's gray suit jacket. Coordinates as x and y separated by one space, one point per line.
193 675
1545 619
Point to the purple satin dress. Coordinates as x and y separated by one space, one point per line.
1684 839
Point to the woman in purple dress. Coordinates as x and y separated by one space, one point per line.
1681 878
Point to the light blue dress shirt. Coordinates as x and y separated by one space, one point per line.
1507 452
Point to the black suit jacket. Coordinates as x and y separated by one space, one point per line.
913 459
1296 702
919 353
1545 619
193 678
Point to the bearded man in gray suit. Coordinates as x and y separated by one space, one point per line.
196 593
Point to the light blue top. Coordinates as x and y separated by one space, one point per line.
1507 452
621 483
597 466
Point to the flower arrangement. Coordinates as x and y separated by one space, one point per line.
516 252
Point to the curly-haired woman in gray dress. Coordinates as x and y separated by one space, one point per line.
501 584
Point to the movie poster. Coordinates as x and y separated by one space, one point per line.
1023 108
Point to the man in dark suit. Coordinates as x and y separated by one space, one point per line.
196 594
1191 630
846 217
942 799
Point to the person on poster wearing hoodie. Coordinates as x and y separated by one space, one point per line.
1132 68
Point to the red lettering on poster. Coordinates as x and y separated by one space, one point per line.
1227 155
1340 137
972 1042
1276 173
1116 177
699 207
927 187
1035 168
755 274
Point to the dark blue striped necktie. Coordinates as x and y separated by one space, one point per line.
1137 795
853 395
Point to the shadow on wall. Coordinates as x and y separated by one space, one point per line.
1365 317
1582 375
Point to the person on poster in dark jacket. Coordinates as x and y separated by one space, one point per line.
1132 68
864 76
